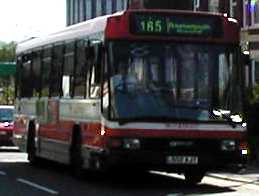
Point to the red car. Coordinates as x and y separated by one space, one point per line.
6 124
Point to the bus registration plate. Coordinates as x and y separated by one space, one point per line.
188 160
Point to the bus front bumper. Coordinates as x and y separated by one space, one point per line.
172 162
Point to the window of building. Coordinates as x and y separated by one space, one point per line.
72 13
82 10
196 5
98 8
108 6
213 6
119 5
167 4
68 12
256 13
88 7
233 8
124 4
254 10
76 11
114 4
246 13
93 8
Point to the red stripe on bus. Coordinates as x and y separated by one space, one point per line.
174 133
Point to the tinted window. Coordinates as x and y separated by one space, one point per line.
68 72
46 67
26 85
36 73
56 72
80 72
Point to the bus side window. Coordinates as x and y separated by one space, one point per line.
95 71
56 70
36 73
68 70
45 71
80 70
18 77
26 85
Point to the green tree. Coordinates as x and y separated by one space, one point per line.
7 54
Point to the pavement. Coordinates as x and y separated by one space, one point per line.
249 175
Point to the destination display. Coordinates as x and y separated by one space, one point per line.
173 25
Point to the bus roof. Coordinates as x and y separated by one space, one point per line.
94 29
91 27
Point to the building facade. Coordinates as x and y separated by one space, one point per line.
81 10
250 37
245 11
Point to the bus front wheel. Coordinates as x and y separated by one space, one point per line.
194 177
76 159
31 147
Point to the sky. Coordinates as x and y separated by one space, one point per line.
22 19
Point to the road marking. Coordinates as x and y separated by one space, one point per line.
13 157
2 173
9 148
37 186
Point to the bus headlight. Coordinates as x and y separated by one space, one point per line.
131 143
228 145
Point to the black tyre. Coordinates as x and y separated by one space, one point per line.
76 159
194 177
31 147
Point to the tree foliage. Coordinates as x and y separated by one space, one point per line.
7 54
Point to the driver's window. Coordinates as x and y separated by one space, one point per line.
188 73
224 77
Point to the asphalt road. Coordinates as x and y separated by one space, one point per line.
18 178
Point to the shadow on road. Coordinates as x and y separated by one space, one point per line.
155 183
137 183
110 184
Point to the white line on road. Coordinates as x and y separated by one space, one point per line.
2 173
9 148
37 186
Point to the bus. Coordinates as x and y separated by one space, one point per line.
136 90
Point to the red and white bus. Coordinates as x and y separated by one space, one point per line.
139 89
